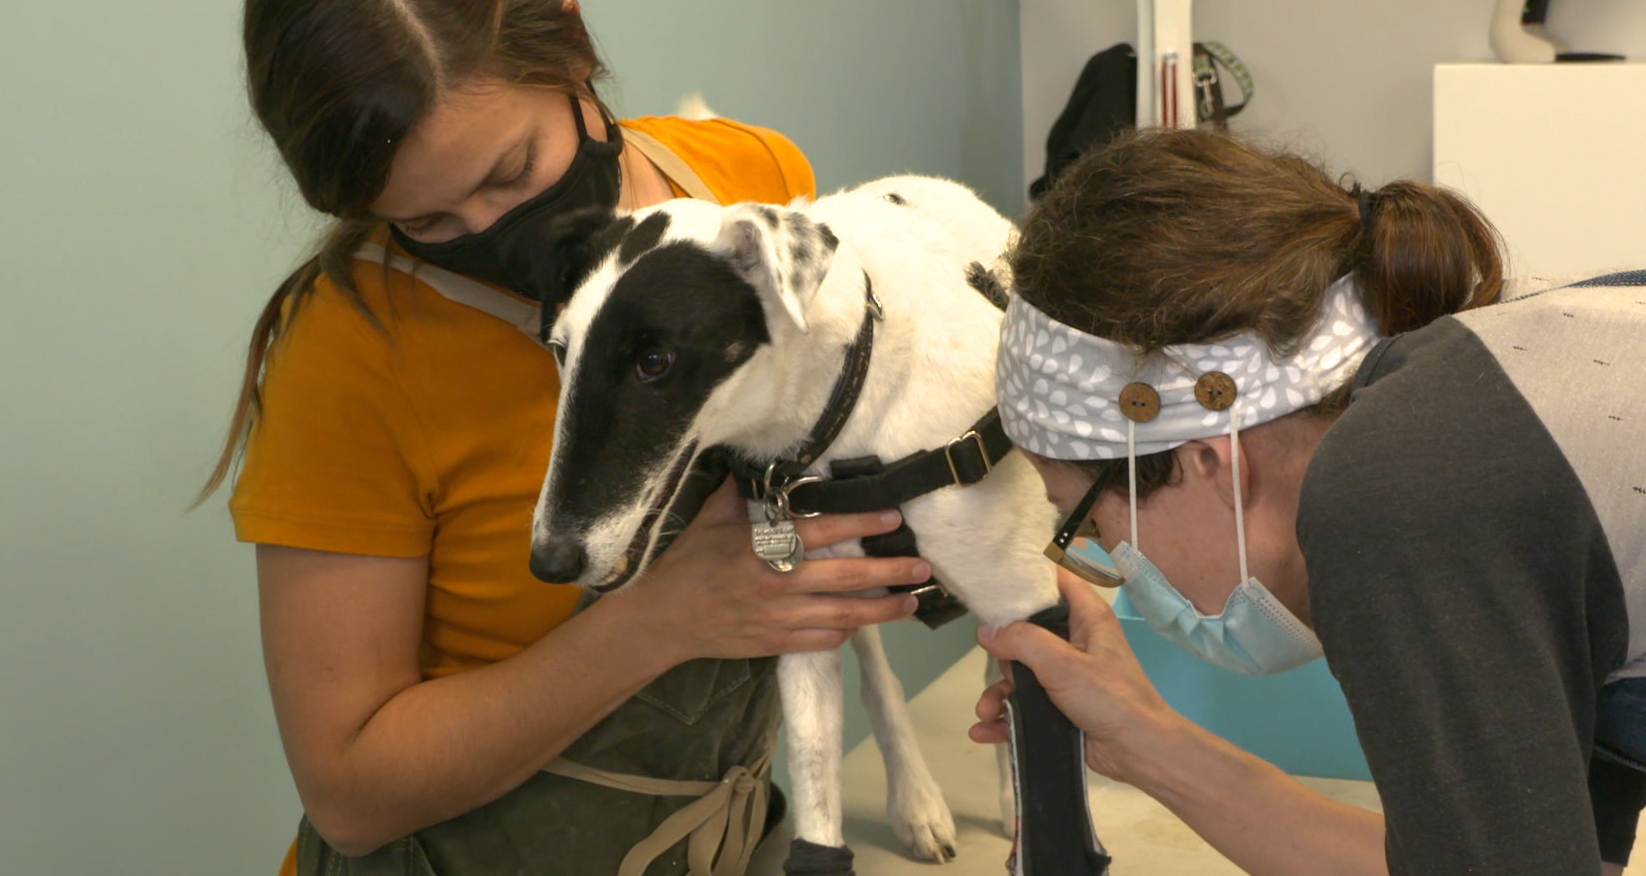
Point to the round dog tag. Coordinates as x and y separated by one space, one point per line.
777 543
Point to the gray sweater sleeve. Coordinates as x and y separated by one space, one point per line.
1467 601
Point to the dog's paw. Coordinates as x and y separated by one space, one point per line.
921 818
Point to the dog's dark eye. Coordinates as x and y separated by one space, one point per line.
653 363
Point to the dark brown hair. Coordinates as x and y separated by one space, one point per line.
338 84
1189 236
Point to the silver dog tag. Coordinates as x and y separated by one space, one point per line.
775 542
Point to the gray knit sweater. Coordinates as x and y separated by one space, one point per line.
1475 533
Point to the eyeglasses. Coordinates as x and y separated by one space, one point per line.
1076 548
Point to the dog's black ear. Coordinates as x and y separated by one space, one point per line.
568 249
780 251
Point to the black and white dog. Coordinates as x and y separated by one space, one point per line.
696 326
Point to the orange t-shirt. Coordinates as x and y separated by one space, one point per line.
430 436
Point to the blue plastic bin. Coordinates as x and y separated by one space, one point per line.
1296 720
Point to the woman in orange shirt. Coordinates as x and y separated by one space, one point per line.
441 710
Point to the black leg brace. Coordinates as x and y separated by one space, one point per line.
810 859
1054 826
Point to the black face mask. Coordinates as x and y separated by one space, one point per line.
512 252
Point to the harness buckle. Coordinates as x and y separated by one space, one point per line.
930 588
937 605
781 496
982 453
776 493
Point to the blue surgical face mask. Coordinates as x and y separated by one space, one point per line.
1254 634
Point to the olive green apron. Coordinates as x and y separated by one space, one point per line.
672 783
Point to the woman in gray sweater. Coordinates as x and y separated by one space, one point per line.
1295 420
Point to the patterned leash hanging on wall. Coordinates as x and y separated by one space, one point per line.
1210 107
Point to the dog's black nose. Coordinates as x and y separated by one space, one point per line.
558 560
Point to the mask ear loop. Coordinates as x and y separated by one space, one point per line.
1240 505
1131 477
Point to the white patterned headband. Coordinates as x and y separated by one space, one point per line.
1065 394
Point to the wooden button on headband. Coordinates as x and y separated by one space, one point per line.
1139 402
1215 391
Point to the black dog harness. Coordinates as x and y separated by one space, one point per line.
869 484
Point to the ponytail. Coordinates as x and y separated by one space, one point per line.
1422 252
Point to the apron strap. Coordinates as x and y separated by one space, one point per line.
524 315
672 165
724 822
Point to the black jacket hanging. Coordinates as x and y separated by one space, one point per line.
1104 103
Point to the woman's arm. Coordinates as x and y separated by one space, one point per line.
377 753
1255 815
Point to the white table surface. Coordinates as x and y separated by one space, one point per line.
1141 835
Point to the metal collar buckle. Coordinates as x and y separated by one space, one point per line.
872 301
775 493
982 453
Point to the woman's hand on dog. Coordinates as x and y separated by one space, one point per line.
708 595
1094 679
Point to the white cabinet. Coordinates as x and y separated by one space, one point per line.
1554 154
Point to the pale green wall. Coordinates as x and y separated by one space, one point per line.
142 224
865 87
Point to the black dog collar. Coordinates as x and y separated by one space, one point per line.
866 484
842 399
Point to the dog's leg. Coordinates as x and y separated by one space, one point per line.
1003 761
913 799
810 686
